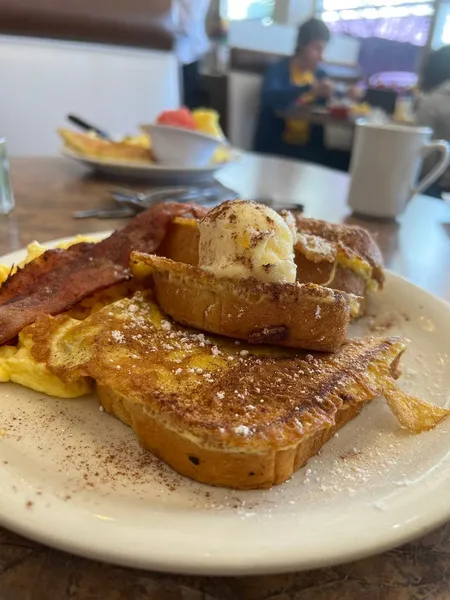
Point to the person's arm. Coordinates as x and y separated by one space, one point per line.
323 87
277 92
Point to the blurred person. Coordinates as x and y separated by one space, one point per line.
299 80
294 80
191 44
433 108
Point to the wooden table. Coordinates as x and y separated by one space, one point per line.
47 191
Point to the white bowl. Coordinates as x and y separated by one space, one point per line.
181 147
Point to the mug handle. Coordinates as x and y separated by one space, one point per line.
443 148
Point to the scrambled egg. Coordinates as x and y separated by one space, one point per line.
360 267
4 272
17 363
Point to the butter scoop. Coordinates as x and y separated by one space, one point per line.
244 239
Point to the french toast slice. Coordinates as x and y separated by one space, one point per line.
342 257
297 315
356 241
221 413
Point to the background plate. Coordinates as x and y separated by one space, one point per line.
149 171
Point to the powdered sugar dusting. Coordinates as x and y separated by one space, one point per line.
118 336
242 430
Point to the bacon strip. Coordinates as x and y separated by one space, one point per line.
59 279
24 279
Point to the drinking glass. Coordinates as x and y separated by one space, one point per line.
6 193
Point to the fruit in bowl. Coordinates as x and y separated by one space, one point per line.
187 138
182 117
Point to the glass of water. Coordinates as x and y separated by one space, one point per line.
6 193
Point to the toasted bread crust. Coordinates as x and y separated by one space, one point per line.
318 266
295 315
237 470
241 468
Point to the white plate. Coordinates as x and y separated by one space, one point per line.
76 479
150 171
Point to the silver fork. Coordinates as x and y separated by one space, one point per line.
106 213
200 195
153 195
131 202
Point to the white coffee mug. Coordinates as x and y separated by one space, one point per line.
386 161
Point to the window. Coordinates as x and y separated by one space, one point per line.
374 9
237 10
399 20
446 32
441 34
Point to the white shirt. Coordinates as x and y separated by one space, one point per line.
434 111
189 17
